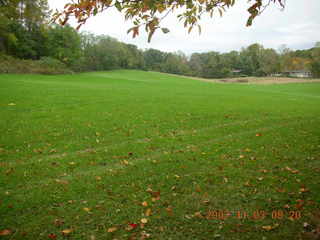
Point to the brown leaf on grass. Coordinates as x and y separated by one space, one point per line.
52 236
112 229
198 189
5 232
247 184
258 134
58 222
292 170
281 190
65 182
148 212
145 204
67 231
169 211
304 190
269 227
198 215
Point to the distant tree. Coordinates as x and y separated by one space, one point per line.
150 13
250 59
63 43
269 62
22 27
315 62
153 59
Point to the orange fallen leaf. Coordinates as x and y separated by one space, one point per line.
269 228
112 229
5 232
304 190
169 211
145 204
148 212
67 231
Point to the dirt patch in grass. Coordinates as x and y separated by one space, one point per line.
269 80
253 80
260 80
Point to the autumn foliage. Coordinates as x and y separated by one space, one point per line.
149 14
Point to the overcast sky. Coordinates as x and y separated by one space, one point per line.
298 26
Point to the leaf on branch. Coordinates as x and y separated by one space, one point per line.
165 30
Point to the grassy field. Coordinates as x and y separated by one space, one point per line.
140 155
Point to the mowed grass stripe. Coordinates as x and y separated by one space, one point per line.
118 164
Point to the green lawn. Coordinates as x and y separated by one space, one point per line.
143 155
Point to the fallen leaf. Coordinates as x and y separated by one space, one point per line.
58 222
304 190
112 229
198 214
258 135
66 231
145 204
5 232
247 184
86 209
62 181
169 211
125 162
131 226
148 212
144 220
269 228
52 236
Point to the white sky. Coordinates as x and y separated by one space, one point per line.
298 26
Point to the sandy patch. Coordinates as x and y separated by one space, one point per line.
253 80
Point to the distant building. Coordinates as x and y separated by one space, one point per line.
236 71
298 74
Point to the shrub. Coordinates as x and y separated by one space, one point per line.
45 65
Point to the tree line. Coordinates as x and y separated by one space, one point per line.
29 41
